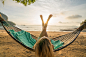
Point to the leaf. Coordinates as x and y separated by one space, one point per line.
24 2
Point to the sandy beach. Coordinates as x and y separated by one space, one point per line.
10 48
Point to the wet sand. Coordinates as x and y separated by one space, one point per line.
10 48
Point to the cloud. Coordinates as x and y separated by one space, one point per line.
62 13
56 14
74 17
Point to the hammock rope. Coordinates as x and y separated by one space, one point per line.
67 38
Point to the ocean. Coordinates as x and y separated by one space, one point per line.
52 28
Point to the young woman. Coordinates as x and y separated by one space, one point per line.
43 46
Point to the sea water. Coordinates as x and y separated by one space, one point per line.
52 28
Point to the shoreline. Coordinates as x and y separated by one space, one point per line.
64 30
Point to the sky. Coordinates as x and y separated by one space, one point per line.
65 12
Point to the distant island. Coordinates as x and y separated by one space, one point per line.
10 22
6 18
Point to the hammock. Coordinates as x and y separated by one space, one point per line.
60 42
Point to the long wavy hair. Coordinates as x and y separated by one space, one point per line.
43 48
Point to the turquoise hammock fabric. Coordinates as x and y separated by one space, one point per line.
27 39
23 37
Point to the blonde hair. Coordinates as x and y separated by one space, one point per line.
43 48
